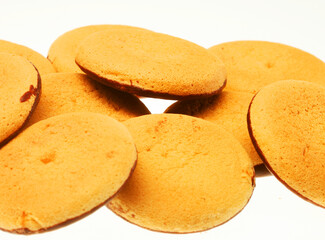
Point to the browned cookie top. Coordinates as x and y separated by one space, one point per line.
252 65
151 64
61 169
191 175
287 125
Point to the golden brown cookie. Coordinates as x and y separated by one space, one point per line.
75 92
250 65
151 64
62 169
63 50
286 122
20 88
41 63
191 175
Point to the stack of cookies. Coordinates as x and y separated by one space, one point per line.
75 136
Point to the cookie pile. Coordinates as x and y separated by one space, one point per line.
75 136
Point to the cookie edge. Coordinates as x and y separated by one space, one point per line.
264 159
144 92
22 127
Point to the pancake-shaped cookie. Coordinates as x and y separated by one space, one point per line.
75 92
63 50
286 121
20 88
41 63
191 175
62 169
151 64
252 65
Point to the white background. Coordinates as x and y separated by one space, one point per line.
273 212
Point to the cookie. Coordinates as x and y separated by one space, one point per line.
286 122
41 63
63 50
151 64
75 92
250 65
228 109
61 169
20 88
191 175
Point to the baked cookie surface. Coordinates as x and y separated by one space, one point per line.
20 88
76 92
250 65
41 63
62 169
63 50
286 122
191 175
151 64
228 109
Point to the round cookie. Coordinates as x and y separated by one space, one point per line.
151 64
252 65
78 93
286 122
191 175
20 88
41 63
62 169
63 50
